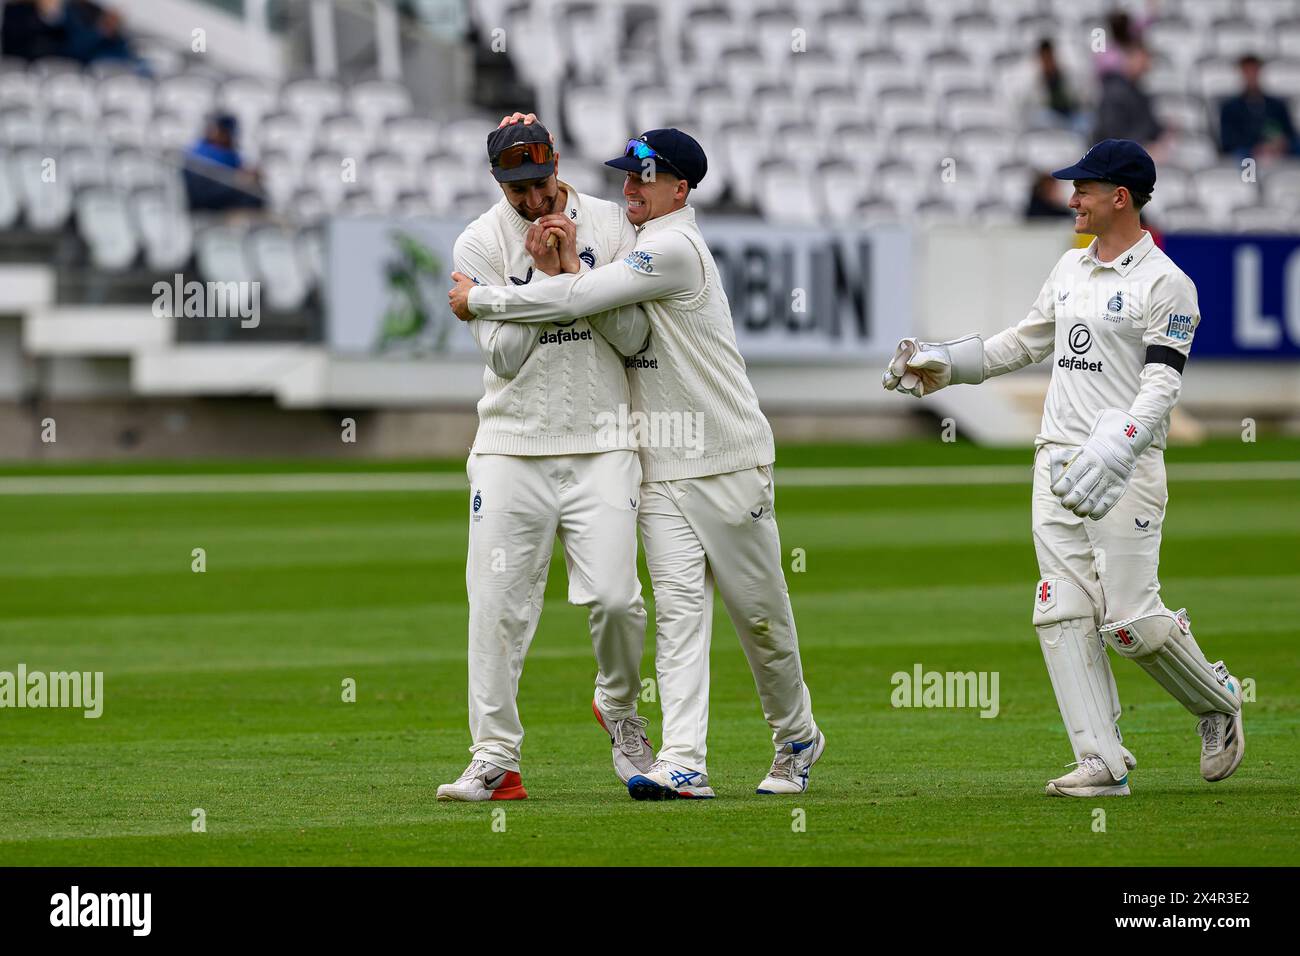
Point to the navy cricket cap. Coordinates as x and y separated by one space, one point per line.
676 151
516 134
1119 161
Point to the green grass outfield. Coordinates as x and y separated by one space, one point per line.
223 689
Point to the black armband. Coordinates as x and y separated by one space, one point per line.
1164 355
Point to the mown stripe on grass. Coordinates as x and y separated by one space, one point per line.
792 477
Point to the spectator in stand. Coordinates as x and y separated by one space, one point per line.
33 29
1050 98
1045 199
215 175
1120 35
1254 124
78 30
94 33
1125 110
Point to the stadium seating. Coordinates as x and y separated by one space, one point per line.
811 110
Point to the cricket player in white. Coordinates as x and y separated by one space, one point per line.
540 466
1119 318
707 506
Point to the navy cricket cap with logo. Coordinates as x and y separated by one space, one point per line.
1119 161
521 151
675 151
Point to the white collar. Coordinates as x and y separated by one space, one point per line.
685 214
571 208
1127 260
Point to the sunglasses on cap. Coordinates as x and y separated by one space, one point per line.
512 157
643 151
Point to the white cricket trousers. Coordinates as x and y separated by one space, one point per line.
698 531
1114 560
518 505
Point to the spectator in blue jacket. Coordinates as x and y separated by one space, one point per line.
215 175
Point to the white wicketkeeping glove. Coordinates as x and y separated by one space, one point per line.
921 368
1091 479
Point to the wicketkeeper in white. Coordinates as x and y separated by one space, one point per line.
1118 317
541 467
706 505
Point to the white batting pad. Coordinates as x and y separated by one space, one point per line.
1162 645
1080 672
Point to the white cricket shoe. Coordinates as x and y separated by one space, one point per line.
1223 738
789 773
668 781
632 750
484 781
1089 779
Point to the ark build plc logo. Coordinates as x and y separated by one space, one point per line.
1180 327
1080 341
74 908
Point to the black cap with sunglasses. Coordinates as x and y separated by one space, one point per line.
671 149
521 151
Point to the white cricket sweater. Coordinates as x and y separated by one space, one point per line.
548 389
1120 332
694 411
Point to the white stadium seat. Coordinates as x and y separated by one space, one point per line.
386 176
11 209
84 166
344 134
74 92
1049 149
173 131
1234 37
189 94
281 176
249 100
311 100
467 137
413 138
164 228
1222 191
1186 218
375 102
221 256
1281 77
126 93
311 253
18 87
842 187
105 224
63 129
785 195
1282 186
274 256
47 200
285 133
1264 219
21 126
1186 114
324 173
596 121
